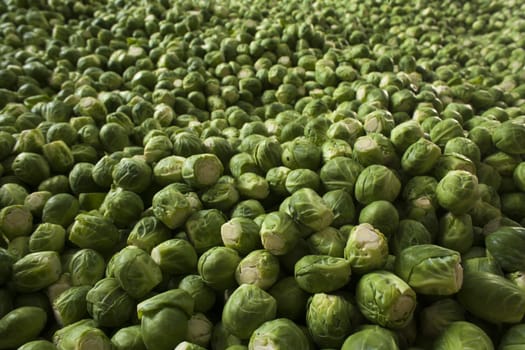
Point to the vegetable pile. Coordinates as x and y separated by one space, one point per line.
200 174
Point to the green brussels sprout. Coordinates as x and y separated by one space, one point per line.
147 233
241 234
18 247
217 267
420 187
483 264
453 161
322 273
7 142
83 334
38 345
157 148
492 297
436 317
301 153
108 304
15 221
86 267
519 176
203 295
122 207
279 233
135 271
101 172
204 229
12 194
173 307
36 271
114 137
393 307
56 184
202 170
241 163
420 157
457 191
128 338
221 338
199 330
278 334
71 305
219 146
340 173
347 129
465 335
46 236
291 298
30 140
328 241
512 338
503 163
330 319
246 309
21 325
456 232
508 137
168 170
175 256
382 215
444 131
81 180
276 178
171 207
309 209
333 148
267 154
377 182
252 185
375 148
505 245
259 268
185 345
409 233
405 134
430 269
94 232
6 265
513 204
59 156
464 146
366 248
35 202
342 206
302 178
132 174
373 337
31 168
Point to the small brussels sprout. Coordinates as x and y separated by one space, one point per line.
203 295
16 221
371 337
199 330
328 241
108 304
483 264
47 236
60 209
241 163
122 207
302 178
385 299
457 191
128 338
333 148
94 232
279 233
456 232
202 170
508 137
291 298
330 319
249 208
420 157
253 186
409 233
492 297
222 339
71 306
81 335
444 131
309 209
175 256
217 267
340 173
267 154
12 194
31 168
21 325
86 267
241 234
513 338
204 229
173 307
301 153
246 309
171 207
132 174
462 334
382 215
278 334
38 345
6 265
168 170
276 178
506 245
185 345
135 271
157 148
259 268
322 273
405 134
519 176
221 196
375 148
59 156
453 161
36 201
366 249
35 271
464 146
147 233
436 317
18 247
377 182
342 206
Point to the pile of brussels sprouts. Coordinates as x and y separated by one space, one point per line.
229 175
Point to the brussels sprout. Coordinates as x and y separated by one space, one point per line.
375 148
519 176
59 156
135 271
267 154
221 338
132 174
31 168
15 221
171 207
168 170
128 338
492 298
340 173
482 263
36 271
301 153
513 338
420 157
342 206
385 299
506 245
157 148
250 208
436 317
220 196
175 256
12 194
108 304
279 233
71 306
444 131
465 335
302 178
456 232
457 191
309 209
278 334
50 237
241 234
322 273
188 346
6 265
21 325
173 307
507 137
94 232
330 319
430 269
366 249
328 241
83 334
204 229
291 298
405 134
101 172
202 170
464 146
217 267
38 345
259 268
122 207
86 267
18 247
276 178
374 337
333 148
147 233
382 215
409 233
377 182
81 180
203 295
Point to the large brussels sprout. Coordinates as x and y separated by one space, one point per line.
15 221
371 337
108 304
217 267
279 233
241 234
94 232
291 298
82 335
309 209
31 168
302 178
508 137
366 249
259 268
36 271
420 157
463 335
12 194
122 207
168 170
201 170
203 295
278 334
86 267
204 229
61 209
175 256
375 148
132 174
21 325
410 232
342 205
171 207
128 338
507 245
148 232
456 232
340 173
458 191
322 273
382 215
492 298
385 299
301 153
71 306
377 182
